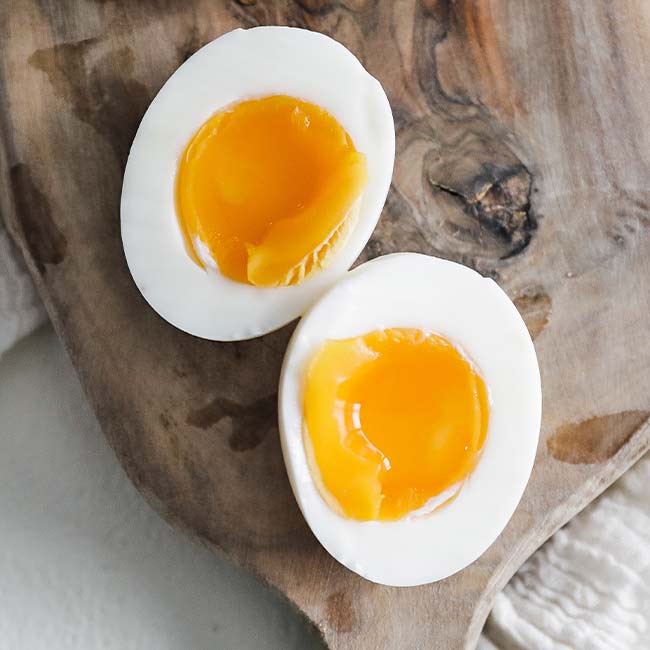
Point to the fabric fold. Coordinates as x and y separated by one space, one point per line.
21 310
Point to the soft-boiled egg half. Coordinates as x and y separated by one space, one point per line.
255 179
409 410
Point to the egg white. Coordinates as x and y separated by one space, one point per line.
417 291
239 65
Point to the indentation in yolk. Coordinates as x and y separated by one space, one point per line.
269 188
395 421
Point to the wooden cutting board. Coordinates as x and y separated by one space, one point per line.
523 150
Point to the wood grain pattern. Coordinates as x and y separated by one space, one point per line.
523 150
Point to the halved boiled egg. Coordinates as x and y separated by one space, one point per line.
255 179
410 407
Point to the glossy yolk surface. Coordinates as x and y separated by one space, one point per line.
268 187
393 419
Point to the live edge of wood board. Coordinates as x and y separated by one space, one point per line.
523 150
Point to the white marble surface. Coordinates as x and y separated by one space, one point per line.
84 562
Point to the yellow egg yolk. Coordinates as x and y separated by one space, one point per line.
392 420
269 187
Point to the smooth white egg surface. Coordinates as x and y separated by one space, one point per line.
241 65
408 290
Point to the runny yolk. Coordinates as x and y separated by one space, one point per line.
394 420
269 188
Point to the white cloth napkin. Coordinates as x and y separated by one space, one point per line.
21 310
588 588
